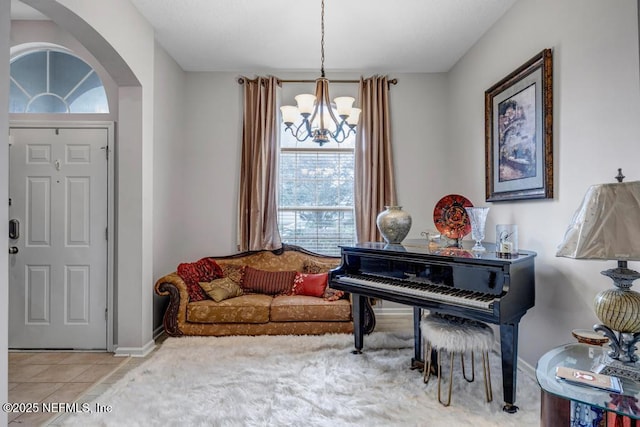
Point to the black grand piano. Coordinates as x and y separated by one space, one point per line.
448 280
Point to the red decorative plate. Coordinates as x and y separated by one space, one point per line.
450 218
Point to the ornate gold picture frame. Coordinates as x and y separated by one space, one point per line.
519 133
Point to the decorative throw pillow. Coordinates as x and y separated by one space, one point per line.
221 289
192 273
314 267
331 294
233 272
312 285
268 282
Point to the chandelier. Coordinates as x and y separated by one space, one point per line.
319 121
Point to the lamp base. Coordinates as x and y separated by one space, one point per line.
618 308
623 345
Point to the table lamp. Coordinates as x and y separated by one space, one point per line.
607 226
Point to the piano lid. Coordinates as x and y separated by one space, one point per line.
423 247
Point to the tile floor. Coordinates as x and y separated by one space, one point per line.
68 377
62 377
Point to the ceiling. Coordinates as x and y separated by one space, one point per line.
360 35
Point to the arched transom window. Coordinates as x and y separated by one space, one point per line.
52 81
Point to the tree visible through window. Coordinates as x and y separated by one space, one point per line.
315 201
50 81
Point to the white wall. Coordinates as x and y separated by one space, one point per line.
438 128
132 38
122 40
595 131
438 136
212 145
5 24
168 168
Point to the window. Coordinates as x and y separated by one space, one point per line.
315 200
51 81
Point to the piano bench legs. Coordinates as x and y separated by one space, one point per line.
455 335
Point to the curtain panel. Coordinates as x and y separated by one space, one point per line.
374 178
257 201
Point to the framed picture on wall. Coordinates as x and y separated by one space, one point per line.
518 133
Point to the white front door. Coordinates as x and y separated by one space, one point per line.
58 192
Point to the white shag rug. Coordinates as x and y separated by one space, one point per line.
301 381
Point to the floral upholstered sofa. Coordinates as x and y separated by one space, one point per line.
277 292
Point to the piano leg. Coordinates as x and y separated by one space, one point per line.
418 360
509 350
358 302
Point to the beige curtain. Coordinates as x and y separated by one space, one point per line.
374 180
257 203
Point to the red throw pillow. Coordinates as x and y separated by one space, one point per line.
268 282
204 270
312 285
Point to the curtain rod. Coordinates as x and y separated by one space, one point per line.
391 81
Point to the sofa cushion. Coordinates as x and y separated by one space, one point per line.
252 308
268 282
203 270
221 289
302 308
312 285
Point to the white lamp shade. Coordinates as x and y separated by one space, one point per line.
606 225
354 116
290 114
343 105
305 103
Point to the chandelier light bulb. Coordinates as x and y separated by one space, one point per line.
353 118
290 114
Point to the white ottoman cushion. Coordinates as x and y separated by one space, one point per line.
456 334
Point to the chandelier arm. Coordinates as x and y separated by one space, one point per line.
303 131
339 136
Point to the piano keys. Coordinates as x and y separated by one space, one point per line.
456 281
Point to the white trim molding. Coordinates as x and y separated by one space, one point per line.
135 351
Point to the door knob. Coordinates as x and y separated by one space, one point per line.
13 250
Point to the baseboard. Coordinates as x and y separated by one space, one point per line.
525 367
135 351
157 332
393 311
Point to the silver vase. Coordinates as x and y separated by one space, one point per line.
394 224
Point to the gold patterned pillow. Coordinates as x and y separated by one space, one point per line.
221 289
233 272
315 267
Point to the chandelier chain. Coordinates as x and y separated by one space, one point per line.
322 39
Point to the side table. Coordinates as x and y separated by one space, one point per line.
555 413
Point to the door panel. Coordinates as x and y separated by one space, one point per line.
58 277
39 211
38 291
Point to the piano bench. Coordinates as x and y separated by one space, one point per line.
456 335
